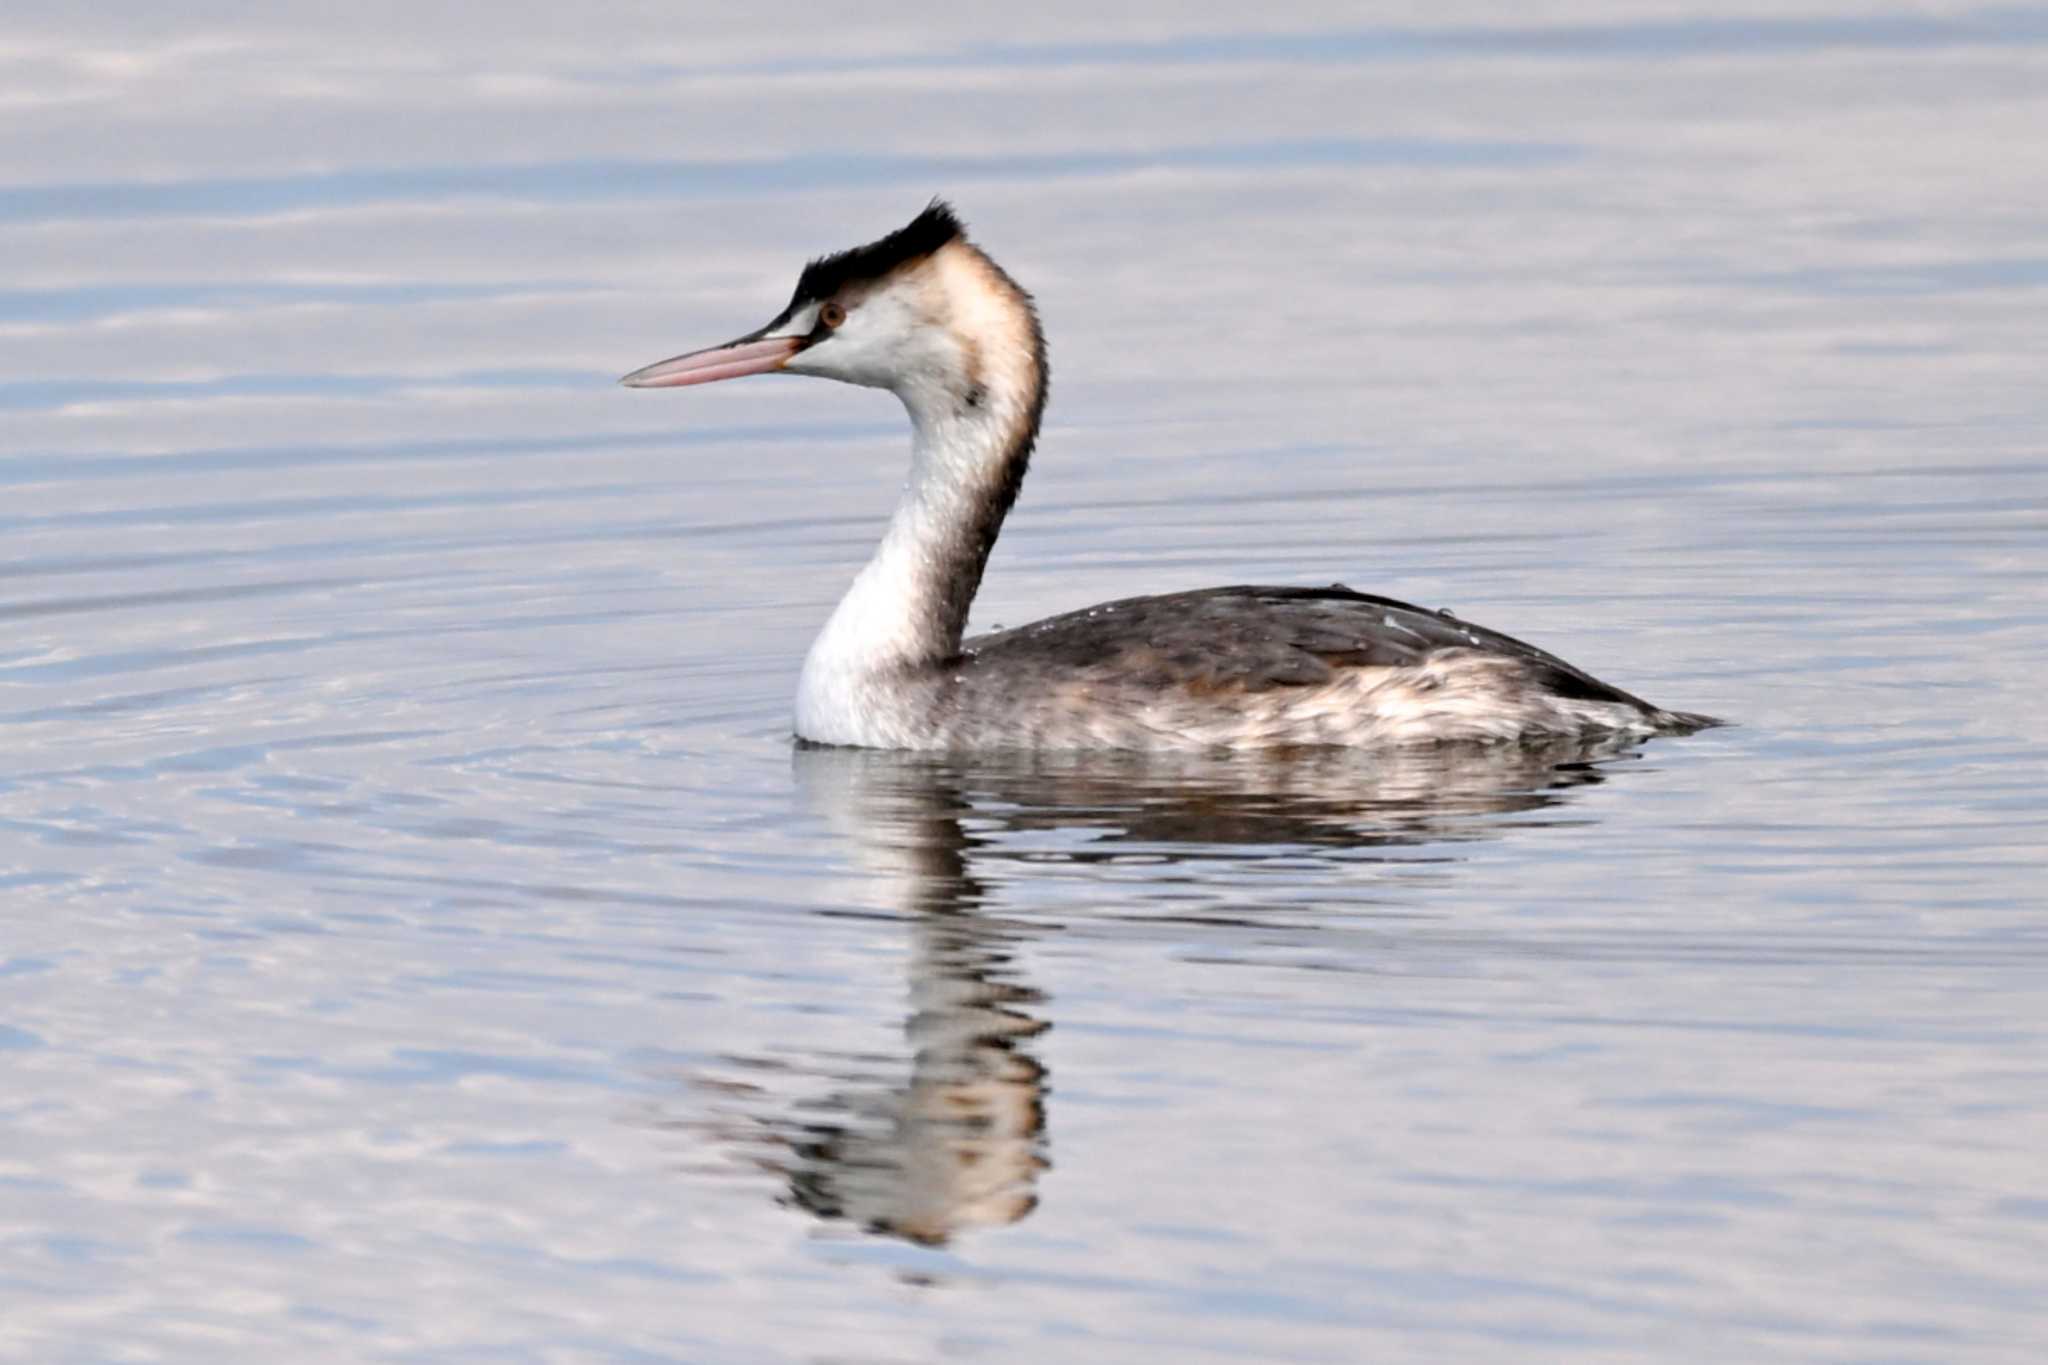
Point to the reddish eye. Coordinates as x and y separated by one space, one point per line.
831 315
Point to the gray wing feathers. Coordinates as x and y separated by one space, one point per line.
1257 638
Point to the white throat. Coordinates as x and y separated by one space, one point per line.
906 610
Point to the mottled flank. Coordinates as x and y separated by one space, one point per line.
1262 667
920 237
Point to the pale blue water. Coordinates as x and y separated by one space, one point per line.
424 943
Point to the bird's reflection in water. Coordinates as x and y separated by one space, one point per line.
960 1144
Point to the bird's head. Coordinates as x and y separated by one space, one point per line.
921 312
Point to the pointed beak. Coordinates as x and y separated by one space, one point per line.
748 355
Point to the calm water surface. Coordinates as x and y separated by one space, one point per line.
423 942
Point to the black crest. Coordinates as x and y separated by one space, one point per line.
918 238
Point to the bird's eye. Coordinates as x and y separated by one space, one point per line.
831 315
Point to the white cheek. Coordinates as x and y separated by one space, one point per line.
847 354
884 343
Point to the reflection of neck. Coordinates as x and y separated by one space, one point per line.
959 1145
970 1124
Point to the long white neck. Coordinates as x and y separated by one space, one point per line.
907 609
974 416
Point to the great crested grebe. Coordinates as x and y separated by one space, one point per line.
927 315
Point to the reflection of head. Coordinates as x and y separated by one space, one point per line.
960 1146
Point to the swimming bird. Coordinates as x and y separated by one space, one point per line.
927 315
